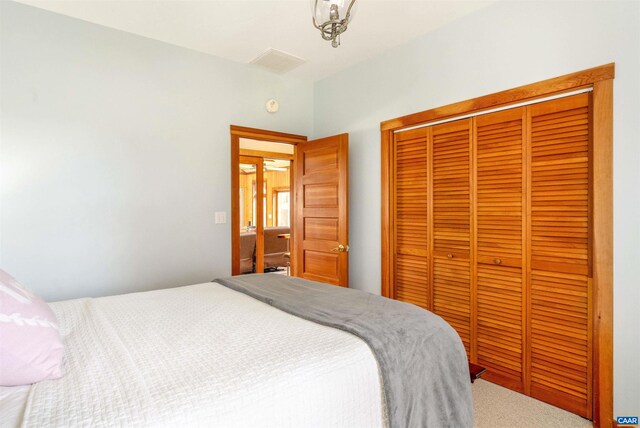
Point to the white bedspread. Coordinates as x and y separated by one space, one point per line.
204 355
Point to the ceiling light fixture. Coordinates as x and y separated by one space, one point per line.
334 16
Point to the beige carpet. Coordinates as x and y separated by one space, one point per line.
498 407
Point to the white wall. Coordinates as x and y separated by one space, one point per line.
115 154
506 45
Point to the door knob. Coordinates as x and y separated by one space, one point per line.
341 248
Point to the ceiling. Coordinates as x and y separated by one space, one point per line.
240 30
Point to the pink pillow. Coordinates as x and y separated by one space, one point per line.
30 345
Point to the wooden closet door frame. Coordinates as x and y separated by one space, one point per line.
601 80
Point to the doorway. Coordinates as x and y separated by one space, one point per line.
314 202
262 168
265 211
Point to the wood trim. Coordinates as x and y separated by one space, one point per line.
238 132
265 135
235 205
385 202
263 154
343 208
573 81
603 252
526 249
394 221
601 79
591 296
430 216
295 225
473 243
259 214
292 215
259 208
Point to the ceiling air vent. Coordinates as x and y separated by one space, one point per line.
277 61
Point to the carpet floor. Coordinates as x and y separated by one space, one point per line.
498 407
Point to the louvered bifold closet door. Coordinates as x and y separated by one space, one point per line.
499 220
560 266
410 200
451 204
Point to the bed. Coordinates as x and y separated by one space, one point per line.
232 353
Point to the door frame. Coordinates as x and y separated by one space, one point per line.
259 209
601 80
238 132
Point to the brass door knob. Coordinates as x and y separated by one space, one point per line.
341 248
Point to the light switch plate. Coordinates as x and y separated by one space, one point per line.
221 217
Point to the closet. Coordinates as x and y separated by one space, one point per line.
490 227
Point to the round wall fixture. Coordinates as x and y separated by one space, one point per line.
272 106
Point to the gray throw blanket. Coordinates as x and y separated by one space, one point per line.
421 358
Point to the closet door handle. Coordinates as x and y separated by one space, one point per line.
450 255
497 261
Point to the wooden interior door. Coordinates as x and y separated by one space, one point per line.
560 288
450 212
322 212
500 225
410 201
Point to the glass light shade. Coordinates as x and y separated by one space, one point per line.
331 17
321 10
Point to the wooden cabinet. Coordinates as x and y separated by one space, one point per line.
491 230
